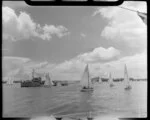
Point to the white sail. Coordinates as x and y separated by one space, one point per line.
110 79
48 81
85 81
126 78
51 82
10 81
100 79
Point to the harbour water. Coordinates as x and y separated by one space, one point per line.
63 100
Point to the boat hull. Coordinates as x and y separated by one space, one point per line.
87 90
64 84
47 86
32 83
128 88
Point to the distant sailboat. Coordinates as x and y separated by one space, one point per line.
126 79
111 80
86 82
48 82
89 116
100 80
10 81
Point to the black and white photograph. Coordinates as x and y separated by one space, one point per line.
74 62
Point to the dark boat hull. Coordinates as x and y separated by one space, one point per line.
87 89
128 88
47 86
32 83
64 84
4 82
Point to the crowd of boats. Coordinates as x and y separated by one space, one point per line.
86 81
87 84
36 81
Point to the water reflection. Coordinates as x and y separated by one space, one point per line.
86 100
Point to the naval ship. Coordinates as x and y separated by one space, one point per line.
35 82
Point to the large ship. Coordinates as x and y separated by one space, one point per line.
35 82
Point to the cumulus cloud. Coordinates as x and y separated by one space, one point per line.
125 25
11 64
100 54
13 59
20 67
71 69
60 31
74 68
37 65
22 26
68 70
136 65
15 4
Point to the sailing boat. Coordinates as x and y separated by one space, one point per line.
111 80
10 81
126 79
86 82
100 80
89 116
48 82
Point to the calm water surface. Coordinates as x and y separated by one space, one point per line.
62 100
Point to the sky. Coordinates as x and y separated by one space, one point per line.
61 40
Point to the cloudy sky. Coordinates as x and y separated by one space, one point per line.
62 40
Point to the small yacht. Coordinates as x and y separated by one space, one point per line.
111 80
86 82
126 79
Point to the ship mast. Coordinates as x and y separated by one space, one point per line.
33 74
88 76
